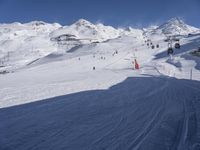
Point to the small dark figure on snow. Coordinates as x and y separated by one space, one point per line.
93 68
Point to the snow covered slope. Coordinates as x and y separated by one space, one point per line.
145 113
77 64
23 43
137 33
174 26
77 94
85 30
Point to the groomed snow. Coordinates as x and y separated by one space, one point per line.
89 96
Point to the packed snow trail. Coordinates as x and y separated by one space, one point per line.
148 111
141 113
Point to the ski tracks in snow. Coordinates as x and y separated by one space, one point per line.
162 114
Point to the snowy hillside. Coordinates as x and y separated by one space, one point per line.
93 87
83 29
174 26
23 44
137 33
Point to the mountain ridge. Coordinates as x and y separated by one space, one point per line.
30 41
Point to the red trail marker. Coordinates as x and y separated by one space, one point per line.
136 65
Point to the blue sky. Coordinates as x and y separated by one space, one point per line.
137 13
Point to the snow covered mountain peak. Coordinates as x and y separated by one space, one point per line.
83 22
37 23
84 30
31 41
176 26
176 20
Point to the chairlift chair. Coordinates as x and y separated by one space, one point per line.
170 51
177 46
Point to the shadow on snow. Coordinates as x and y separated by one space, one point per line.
145 113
